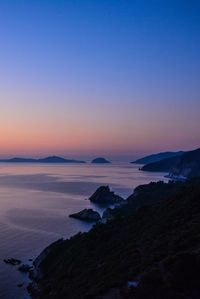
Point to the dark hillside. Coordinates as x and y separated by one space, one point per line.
188 165
157 157
184 166
164 165
159 247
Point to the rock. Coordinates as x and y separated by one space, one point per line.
87 215
103 195
100 161
25 268
20 285
108 215
12 261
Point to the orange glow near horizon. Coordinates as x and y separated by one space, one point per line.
56 138
76 124
80 127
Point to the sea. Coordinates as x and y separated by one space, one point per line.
35 203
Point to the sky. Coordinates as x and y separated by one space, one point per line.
86 78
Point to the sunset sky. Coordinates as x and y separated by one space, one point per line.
99 77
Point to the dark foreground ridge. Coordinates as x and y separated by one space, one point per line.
151 253
51 159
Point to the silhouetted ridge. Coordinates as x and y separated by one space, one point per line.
181 167
188 165
100 161
51 159
157 157
164 165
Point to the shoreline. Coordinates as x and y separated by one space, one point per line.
35 276
82 252
83 200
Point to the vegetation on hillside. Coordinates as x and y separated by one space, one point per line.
158 245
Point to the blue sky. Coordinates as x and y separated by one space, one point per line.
99 77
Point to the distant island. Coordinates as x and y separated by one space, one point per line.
157 157
100 160
51 159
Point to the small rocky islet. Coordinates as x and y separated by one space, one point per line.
100 160
86 215
102 196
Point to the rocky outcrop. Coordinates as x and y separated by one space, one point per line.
25 268
100 161
12 261
86 215
103 195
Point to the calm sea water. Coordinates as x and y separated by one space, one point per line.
35 201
